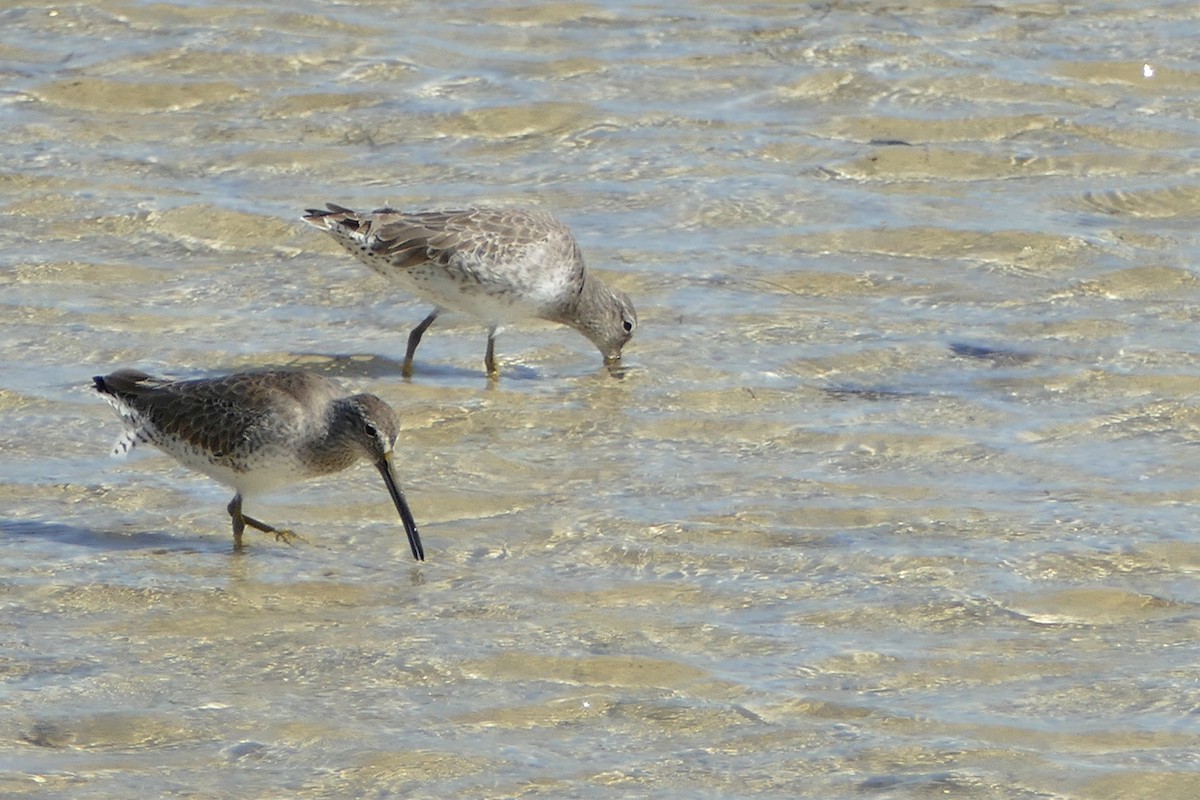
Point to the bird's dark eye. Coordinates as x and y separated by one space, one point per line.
627 324
371 430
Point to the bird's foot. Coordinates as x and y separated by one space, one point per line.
287 537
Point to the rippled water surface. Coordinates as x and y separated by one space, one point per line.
897 497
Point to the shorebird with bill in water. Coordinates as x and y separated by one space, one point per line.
494 264
256 431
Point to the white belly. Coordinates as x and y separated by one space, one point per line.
529 287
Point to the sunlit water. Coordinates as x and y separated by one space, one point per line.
896 499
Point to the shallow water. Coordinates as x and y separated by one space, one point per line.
896 499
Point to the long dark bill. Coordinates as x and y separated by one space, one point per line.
410 526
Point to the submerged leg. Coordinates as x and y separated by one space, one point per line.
414 339
489 358
239 522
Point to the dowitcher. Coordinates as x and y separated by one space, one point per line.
255 431
497 265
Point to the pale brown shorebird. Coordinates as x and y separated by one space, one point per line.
497 265
255 431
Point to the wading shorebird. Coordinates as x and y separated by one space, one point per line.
255 431
497 265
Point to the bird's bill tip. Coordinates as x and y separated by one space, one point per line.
614 366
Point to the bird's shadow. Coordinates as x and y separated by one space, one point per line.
342 365
99 538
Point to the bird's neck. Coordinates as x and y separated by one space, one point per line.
334 448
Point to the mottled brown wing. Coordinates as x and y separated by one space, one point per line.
493 235
222 416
